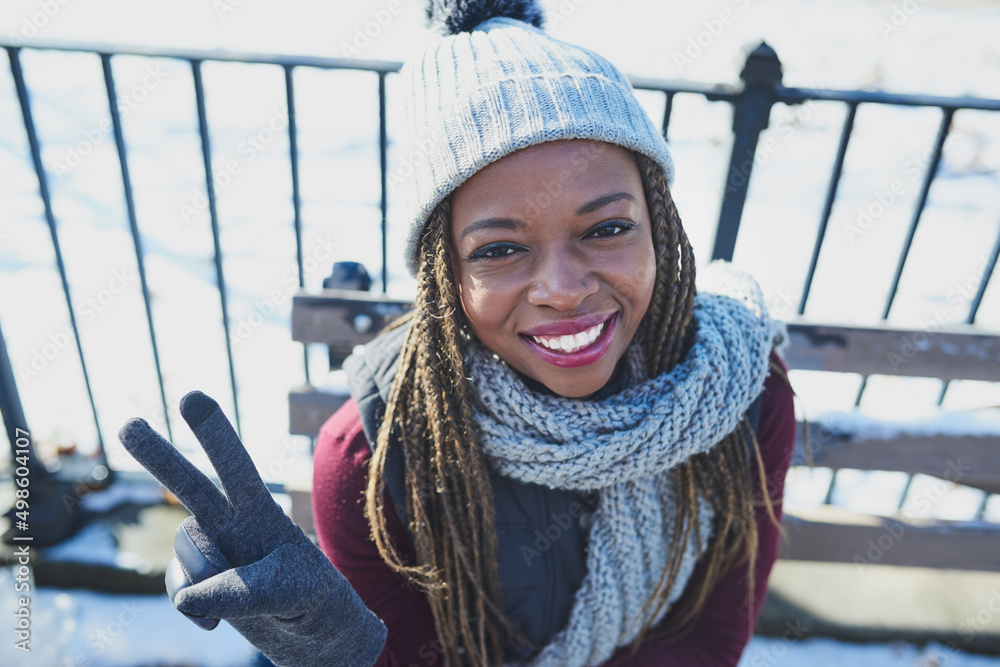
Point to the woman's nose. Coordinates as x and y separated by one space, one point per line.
562 281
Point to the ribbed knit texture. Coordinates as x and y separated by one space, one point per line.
474 97
624 447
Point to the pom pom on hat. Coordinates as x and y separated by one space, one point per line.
455 16
497 83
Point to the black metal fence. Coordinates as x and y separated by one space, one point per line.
760 89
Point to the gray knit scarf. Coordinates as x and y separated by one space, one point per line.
623 447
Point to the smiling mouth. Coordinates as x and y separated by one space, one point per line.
570 343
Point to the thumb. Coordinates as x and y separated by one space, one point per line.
285 584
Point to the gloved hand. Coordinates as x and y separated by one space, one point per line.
240 558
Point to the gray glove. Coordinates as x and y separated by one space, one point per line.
240 558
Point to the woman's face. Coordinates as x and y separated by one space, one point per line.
553 253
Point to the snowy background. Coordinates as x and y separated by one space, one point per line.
941 48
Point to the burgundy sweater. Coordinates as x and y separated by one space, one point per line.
339 479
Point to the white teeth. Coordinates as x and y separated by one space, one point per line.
571 343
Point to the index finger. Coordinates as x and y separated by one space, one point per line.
195 491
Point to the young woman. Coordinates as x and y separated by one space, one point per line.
567 454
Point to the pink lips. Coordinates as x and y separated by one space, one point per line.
588 355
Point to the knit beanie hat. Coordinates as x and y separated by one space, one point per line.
496 83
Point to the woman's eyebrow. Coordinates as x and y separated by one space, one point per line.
601 202
491 223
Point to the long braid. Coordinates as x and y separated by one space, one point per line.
722 475
447 479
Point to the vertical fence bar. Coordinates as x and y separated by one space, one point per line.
988 270
13 415
293 150
383 150
10 404
831 195
109 84
761 75
667 110
925 187
990 267
43 191
206 153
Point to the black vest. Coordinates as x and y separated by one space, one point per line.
541 532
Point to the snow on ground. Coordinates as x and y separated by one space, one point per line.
82 628
86 629
830 653
943 48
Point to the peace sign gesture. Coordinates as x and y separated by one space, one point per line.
240 558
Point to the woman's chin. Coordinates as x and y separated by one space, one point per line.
576 384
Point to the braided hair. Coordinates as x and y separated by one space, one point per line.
447 475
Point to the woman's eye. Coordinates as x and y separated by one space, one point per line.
494 251
611 228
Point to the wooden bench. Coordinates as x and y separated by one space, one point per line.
342 319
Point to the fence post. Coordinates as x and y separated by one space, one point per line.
761 75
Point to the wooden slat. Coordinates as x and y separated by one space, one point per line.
842 537
953 352
949 353
970 460
309 408
302 515
965 459
331 317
